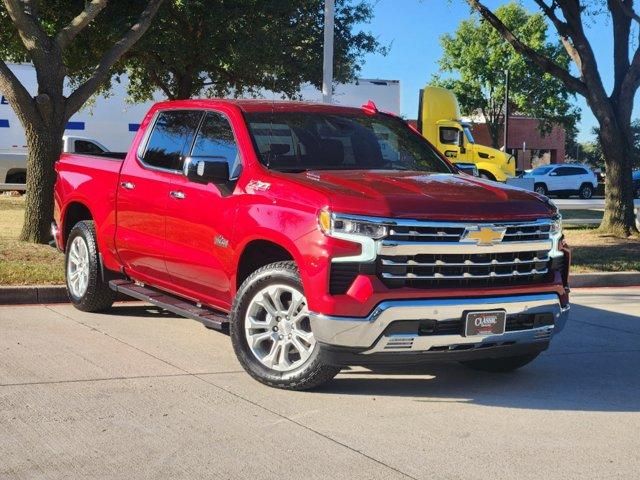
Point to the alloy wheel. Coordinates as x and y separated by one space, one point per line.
278 329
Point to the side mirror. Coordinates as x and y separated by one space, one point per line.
461 141
206 170
553 174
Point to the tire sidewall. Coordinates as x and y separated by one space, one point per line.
542 187
85 231
586 188
270 276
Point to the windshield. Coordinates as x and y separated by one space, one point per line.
468 134
541 170
298 141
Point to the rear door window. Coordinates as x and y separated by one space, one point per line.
171 138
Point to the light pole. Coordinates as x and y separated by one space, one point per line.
506 109
327 64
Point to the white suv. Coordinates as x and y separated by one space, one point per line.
564 180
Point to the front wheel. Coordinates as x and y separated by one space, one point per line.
85 287
497 365
541 188
586 191
271 330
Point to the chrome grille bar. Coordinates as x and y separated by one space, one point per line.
466 263
464 276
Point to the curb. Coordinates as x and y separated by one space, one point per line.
33 294
40 294
604 279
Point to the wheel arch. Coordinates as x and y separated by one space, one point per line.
73 213
259 252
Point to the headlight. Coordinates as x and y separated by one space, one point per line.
337 225
556 225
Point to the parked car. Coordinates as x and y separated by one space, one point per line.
564 180
636 183
321 236
13 166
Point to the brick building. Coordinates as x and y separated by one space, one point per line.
526 143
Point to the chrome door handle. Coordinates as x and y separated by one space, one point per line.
177 194
128 185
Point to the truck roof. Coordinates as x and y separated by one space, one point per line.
260 105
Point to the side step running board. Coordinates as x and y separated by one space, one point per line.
208 317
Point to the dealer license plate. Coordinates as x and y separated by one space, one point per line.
485 323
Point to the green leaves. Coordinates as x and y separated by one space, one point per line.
224 47
477 56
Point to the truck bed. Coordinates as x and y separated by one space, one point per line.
89 180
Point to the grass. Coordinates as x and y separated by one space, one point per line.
594 252
24 263
28 264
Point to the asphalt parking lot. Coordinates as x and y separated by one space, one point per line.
139 393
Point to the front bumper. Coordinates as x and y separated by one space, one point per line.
353 341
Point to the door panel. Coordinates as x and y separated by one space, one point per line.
143 195
141 206
200 221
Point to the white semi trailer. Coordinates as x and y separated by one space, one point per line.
113 121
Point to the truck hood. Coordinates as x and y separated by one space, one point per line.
420 195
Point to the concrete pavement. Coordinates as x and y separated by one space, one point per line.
139 393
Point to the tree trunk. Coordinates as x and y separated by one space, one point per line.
494 133
44 144
619 217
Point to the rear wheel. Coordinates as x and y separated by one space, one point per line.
505 364
541 188
85 287
271 330
586 191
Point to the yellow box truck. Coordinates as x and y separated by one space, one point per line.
439 122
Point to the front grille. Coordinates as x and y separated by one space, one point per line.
451 232
440 254
476 269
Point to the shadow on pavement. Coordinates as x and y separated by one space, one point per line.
593 365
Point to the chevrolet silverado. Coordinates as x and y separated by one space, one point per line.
319 236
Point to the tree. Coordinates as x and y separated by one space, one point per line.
48 35
612 110
479 56
591 152
224 47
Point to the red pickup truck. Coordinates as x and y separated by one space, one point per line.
320 236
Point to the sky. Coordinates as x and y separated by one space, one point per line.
413 27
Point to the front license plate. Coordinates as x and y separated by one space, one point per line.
485 323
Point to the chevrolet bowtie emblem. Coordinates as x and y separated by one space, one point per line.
485 235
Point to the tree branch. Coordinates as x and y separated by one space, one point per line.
18 96
546 64
563 30
68 33
32 36
627 8
109 59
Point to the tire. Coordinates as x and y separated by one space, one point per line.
302 368
86 290
586 191
487 176
19 177
501 365
541 188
